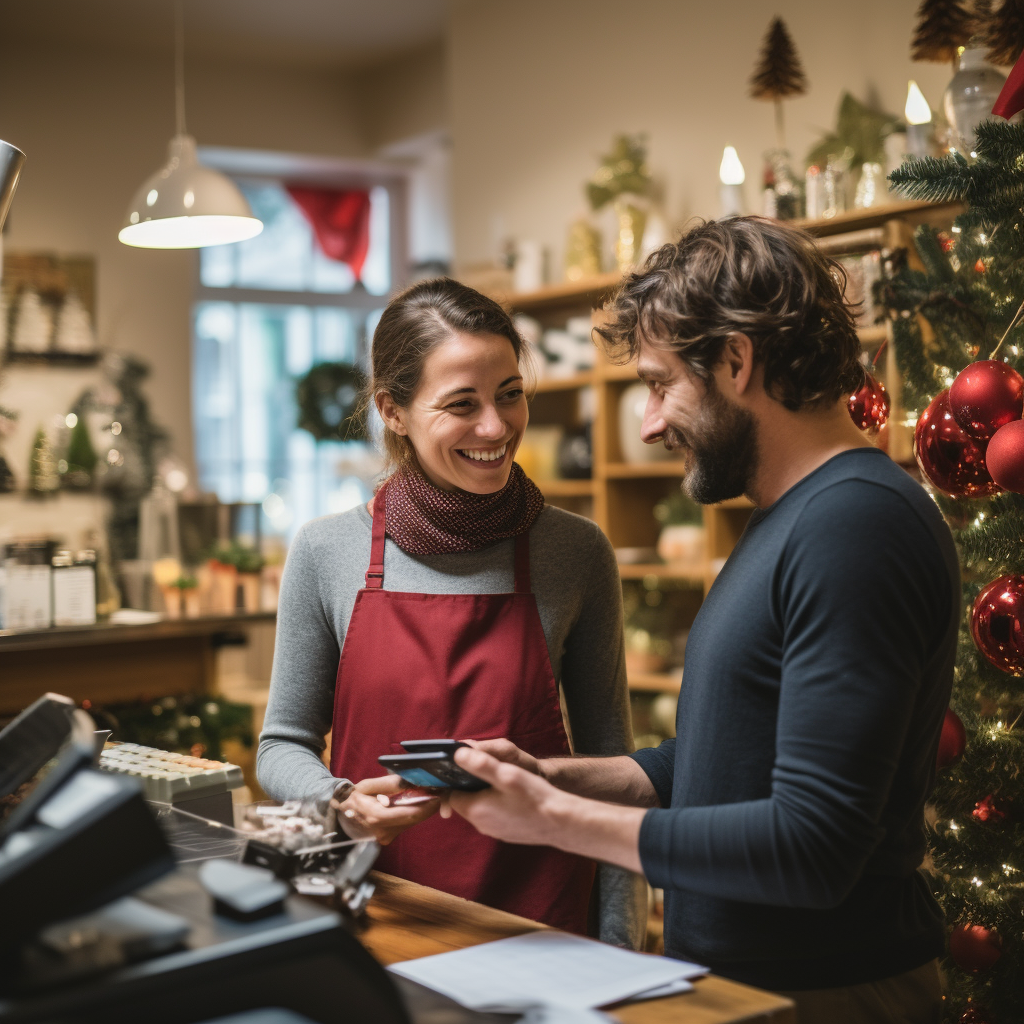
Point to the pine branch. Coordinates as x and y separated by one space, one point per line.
1000 141
934 179
935 260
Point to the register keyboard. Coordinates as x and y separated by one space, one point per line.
169 777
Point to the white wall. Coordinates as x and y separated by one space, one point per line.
537 89
93 126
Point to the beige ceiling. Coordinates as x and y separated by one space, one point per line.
312 33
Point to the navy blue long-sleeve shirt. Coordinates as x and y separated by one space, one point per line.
817 675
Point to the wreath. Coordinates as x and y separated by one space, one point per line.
327 398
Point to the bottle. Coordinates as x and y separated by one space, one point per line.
86 558
74 591
27 593
108 597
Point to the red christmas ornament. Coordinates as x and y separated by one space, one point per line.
869 405
950 458
945 242
986 811
1004 457
974 947
979 266
985 396
997 623
952 740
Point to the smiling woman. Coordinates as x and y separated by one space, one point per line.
452 607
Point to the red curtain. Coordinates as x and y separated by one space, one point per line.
340 220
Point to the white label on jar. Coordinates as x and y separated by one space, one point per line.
74 596
27 596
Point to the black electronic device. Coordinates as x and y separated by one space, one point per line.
432 771
302 958
432 746
40 751
90 842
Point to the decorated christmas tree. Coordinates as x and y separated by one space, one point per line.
958 331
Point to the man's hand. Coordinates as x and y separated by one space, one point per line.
507 751
522 808
519 806
363 816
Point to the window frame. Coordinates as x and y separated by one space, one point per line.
323 172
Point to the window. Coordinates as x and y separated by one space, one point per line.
267 310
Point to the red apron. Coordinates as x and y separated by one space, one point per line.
459 666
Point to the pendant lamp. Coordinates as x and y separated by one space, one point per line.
186 205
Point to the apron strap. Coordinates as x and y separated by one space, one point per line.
375 574
522 585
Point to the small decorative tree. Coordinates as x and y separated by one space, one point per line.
1003 33
943 26
778 74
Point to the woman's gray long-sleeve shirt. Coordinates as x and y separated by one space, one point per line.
576 584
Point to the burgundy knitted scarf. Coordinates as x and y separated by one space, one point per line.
424 520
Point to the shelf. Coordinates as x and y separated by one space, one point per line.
872 335
618 371
645 470
655 682
871 217
577 380
52 358
564 294
665 570
566 488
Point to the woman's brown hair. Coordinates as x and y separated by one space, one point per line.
413 324
751 276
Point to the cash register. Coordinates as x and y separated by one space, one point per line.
100 923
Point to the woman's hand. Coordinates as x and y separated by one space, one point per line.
363 816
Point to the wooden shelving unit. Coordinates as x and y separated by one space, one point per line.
621 495
656 682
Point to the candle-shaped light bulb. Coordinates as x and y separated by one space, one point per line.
731 170
919 122
917 110
730 191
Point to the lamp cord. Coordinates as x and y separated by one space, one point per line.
179 67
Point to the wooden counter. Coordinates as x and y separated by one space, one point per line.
407 920
109 662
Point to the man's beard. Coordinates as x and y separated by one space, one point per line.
722 450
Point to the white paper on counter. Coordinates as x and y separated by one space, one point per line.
544 967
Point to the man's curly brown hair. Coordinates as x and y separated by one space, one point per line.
752 276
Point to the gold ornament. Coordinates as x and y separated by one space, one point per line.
583 251
632 220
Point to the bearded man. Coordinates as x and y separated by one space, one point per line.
785 821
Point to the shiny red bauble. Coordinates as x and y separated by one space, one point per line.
869 405
952 740
952 460
997 623
1004 457
985 396
974 947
